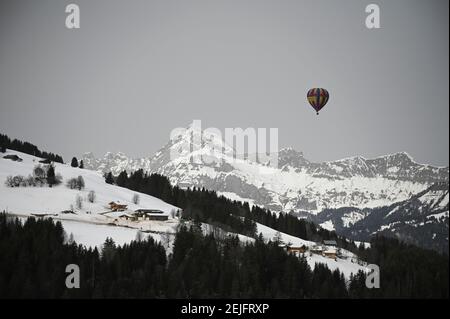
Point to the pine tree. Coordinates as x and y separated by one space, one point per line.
109 178
81 164
122 179
277 238
109 249
74 162
51 179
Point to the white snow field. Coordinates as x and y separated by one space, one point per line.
90 224
93 222
26 200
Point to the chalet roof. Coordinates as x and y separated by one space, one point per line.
151 214
125 214
330 242
150 211
117 214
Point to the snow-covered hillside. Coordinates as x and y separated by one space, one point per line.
93 222
347 263
27 200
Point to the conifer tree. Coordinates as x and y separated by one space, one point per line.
122 179
74 162
51 178
109 178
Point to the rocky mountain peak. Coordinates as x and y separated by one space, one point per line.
291 157
201 158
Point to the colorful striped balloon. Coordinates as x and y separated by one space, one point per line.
318 97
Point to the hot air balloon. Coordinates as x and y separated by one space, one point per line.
318 97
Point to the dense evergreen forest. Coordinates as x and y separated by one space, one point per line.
27 148
35 254
406 271
206 206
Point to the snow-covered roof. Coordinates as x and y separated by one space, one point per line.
150 212
118 214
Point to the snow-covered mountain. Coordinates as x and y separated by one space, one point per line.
422 220
203 159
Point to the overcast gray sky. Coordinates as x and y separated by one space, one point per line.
137 69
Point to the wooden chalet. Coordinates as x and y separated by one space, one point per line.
296 251
117 207
150 214
330 253
318 249
126 216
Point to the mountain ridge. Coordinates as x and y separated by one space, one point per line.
198 158
358 190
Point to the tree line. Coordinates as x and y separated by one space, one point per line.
35 254
27 148
407 271
206 206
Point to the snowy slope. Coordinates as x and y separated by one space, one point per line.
270 233
91 224
26 200
347 264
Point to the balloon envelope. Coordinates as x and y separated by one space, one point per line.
318 97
